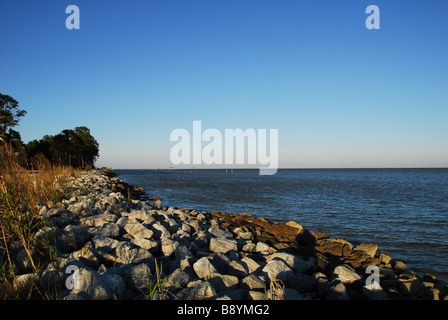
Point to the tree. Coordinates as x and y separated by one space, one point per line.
77 148
9 113
14 139
86 146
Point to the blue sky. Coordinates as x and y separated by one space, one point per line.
341 95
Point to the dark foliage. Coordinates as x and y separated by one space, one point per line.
77 148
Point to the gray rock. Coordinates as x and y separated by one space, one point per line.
139 277
108 229
194 224
99 291
51 278
157 204
203 268
98 220
81 234
23 262
220 261
238 269
53 213
43 211
178 279
295 225
322 283
401 268
374 291
223 245
385 258
24 280
87 256
74 296
249 247
67 240
345 274
261 247
105 244
253 282
243 232
182 252
220 233
184 294
296 263
76 208
86 278
160 232
122 222
186 265
200 239
169 246
251 265
126 254
115 284
337 292
147 244
137 230
172 225
203 290
256 295
369 248
142 215
246 235
182 236
223 282
278 269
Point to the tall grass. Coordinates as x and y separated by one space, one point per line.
21 189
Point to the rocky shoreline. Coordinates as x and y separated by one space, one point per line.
111 243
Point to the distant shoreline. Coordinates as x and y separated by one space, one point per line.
190 169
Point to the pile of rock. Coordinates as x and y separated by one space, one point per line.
109 246
341 270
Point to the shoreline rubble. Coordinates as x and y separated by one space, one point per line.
125 246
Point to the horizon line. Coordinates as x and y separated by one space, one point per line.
285 168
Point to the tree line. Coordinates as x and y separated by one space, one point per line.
75 147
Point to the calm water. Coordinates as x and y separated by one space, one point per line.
405 211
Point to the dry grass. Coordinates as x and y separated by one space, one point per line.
20 190
276 290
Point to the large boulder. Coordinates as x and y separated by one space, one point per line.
369 248
126 254
203 268
108 229
346 274
223 245
139 277
137 230
296 263
278 269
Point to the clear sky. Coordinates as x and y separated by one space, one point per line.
339 94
